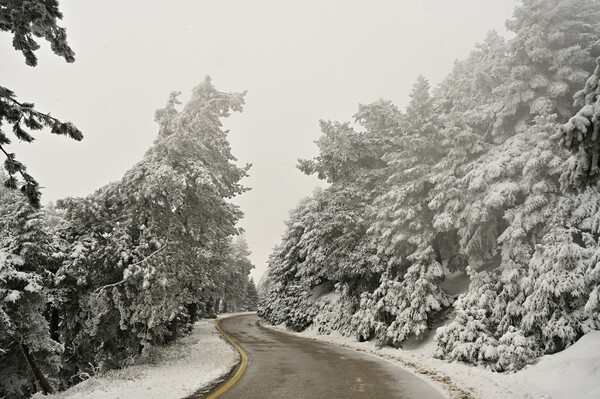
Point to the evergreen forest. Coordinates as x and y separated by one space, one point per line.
472 214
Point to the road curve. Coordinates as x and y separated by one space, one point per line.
285 366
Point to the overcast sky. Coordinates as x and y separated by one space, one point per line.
300 61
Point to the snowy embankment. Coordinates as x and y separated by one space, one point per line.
572 373
194 364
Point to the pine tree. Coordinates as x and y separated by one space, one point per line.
469 337
251 296
30 18
28 354
26 19
466 180
404 226
326 241
550 59
555 290
512 191
580 136
235 278
465 102
149 250
285 300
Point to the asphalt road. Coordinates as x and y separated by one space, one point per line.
289 367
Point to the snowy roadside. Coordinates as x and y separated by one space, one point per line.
573 373
195 363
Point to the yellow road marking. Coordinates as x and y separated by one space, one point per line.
241 369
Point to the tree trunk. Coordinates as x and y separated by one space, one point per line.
224 306
193 311
54 323
174 329
37 372
436 248
217 303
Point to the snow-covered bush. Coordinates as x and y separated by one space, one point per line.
289 305
469 337
515 351
365 322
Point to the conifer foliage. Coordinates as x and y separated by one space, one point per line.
467 183
580 136
95 282
26 20
26 250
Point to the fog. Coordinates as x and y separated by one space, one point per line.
300 62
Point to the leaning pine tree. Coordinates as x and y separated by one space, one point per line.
148 252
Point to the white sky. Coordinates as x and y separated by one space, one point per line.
300 61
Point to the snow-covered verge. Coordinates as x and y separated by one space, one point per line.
572 373
194 364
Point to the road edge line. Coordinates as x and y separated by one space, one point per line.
241 369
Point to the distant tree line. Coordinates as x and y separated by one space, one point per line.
493 175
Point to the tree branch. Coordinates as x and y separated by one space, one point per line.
99 289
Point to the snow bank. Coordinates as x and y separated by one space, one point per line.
572 373
194 364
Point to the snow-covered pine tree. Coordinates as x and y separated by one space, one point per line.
524 193
580 136
562 278
326 240
403 225
27 20
465 103
235 282
512 191
251 296
549 59
285 290
148 250
469 337
480 188
28 354
555 289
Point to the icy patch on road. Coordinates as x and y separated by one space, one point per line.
193 364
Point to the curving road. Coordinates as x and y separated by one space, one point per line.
285 366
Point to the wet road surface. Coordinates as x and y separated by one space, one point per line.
285 366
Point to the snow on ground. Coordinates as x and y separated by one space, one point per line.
572 373
195 363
